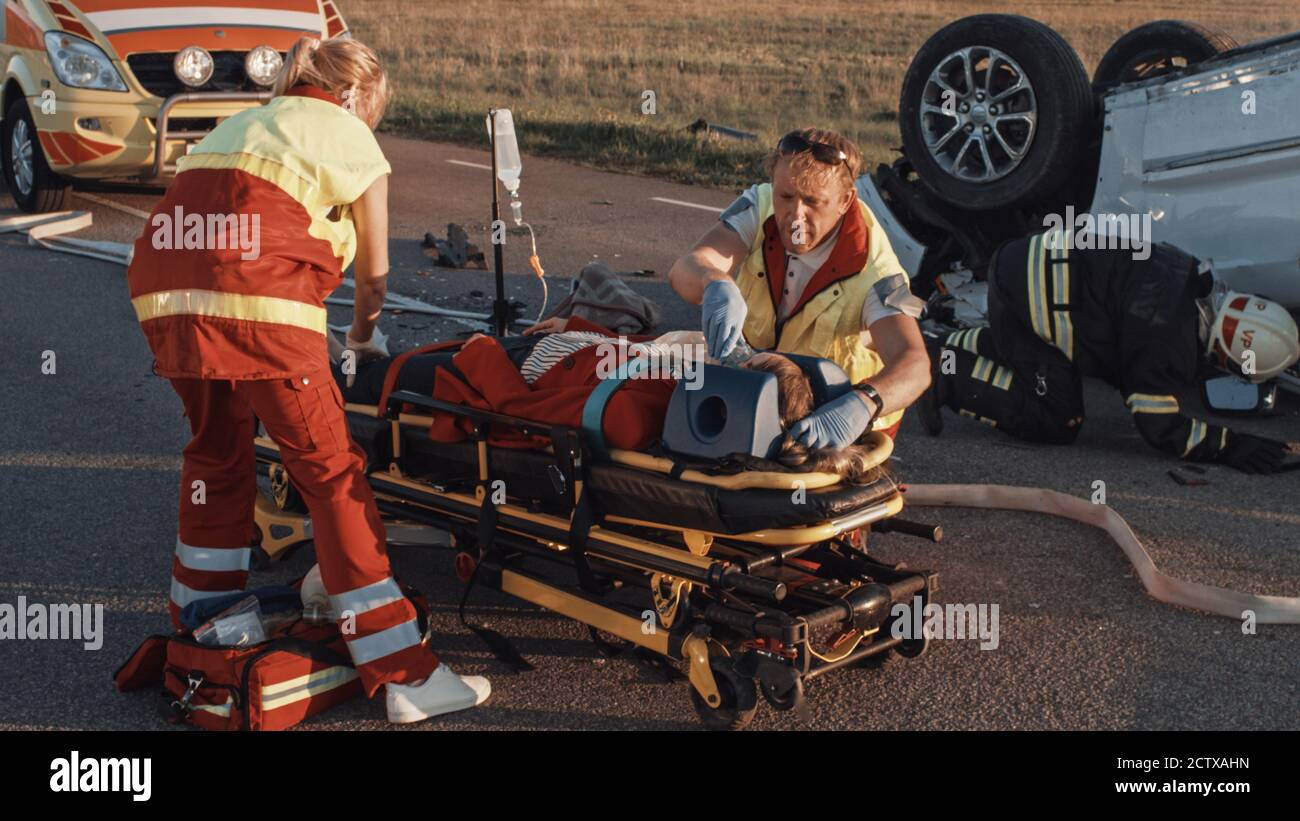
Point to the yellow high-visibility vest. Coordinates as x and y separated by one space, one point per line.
828 322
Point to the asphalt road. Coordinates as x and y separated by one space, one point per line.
89 465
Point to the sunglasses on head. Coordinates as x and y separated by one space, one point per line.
796 143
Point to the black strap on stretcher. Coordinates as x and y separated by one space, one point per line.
585 516
497 643
500 646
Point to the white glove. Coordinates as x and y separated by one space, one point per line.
374 348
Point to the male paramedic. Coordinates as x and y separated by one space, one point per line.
235 318
1147 326
800 265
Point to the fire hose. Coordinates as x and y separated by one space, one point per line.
1160 586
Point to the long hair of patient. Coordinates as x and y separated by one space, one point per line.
795 399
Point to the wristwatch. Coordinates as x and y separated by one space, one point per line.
869 392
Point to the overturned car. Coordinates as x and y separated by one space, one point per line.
1182 136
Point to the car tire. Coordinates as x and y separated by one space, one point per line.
33 185
1158 48
1037 135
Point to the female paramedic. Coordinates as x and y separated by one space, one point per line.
228 282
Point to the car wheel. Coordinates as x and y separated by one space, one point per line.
1158 48
995 112
33 186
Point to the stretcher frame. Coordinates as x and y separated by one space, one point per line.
681 594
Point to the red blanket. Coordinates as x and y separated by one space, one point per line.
634 415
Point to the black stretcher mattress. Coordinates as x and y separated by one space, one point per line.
617 489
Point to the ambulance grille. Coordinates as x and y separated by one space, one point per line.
155 73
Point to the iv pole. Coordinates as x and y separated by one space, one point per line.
500 308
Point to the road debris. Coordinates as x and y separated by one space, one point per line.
456 251
1190 481
713 128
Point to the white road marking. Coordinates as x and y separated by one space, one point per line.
471 164
116 206
688 204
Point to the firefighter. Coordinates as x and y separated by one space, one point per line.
1148 327
239 328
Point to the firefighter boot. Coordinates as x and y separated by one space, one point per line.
930 404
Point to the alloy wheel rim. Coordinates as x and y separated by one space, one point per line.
978 114
21 150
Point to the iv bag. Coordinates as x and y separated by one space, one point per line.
507 149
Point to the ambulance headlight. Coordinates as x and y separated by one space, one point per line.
263 64
80 63
193 66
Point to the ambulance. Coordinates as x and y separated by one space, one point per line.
119 89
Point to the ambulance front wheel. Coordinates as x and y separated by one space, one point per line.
34 186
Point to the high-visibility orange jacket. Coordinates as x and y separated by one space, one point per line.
230 276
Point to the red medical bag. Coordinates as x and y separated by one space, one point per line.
301 670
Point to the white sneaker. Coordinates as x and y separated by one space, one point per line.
312 586
442 692
315 601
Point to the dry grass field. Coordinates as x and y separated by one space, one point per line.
575 71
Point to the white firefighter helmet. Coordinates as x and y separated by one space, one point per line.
1256 337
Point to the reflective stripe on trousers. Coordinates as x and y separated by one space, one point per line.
366 646
203 572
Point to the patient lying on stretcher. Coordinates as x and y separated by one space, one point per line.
548 377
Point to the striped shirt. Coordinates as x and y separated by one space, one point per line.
554 347
667 359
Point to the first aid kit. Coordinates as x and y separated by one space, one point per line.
298 669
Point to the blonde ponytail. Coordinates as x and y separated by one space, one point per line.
348 69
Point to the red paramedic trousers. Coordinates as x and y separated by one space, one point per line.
305 417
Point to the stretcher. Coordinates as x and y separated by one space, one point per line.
755 580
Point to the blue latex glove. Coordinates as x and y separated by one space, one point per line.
836 424
723 314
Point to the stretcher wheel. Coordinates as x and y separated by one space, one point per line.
908 649
286 496
879 660
783 698
739 698
913 648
